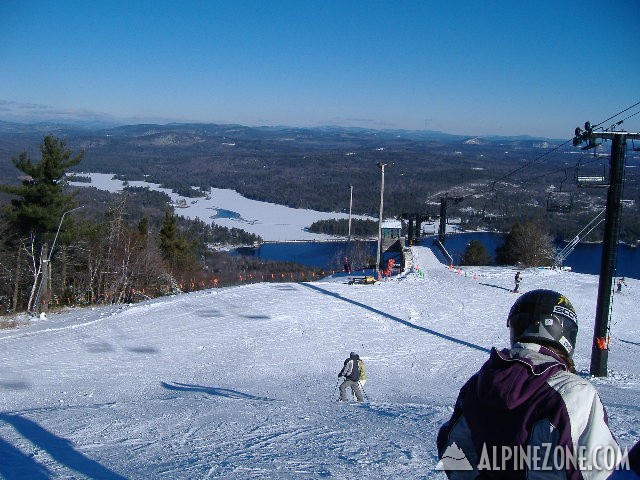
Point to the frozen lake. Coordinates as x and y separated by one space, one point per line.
230 209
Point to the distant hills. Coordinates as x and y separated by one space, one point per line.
502 179
233 130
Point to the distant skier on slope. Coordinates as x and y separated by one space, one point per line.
517 280
620 283
354 377
347 265
527 400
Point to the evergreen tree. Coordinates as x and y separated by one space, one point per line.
40 200
143 226
35 214
476 254
509 252
176 249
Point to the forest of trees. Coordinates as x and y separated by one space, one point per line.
125 247
528 244
52 254
500 179
340 227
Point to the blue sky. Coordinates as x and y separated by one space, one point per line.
466 67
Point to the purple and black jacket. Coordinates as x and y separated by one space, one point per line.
524 401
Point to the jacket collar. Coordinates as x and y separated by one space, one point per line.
537 358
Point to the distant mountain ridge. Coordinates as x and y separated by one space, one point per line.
261 132
311 167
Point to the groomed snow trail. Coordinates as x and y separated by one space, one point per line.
242 382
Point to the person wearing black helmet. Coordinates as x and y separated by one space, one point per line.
525 414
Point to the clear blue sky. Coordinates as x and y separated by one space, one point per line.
459 66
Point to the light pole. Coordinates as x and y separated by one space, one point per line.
381 166
47 262
347 259
58 231
350 205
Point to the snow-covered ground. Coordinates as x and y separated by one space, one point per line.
241 382
271 221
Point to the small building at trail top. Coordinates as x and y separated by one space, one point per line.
391 230
392 242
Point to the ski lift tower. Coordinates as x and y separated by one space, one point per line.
600 347
444 201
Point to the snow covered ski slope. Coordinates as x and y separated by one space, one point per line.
242 382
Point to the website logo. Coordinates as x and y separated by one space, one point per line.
540 458
549 457
453 459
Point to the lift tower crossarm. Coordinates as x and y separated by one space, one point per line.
589 136
612 135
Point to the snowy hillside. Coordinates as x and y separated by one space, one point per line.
242 382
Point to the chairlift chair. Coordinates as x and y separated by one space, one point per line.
559 202
591 178
588 176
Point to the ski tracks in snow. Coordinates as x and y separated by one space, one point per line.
344 433
241 382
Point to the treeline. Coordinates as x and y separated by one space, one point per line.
54 252
208 235
340 227
311 168
528 244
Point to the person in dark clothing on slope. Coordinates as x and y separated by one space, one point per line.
352 372
517 280
526 402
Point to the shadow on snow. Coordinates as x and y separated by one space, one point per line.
17 465
496 286
399 320
218 392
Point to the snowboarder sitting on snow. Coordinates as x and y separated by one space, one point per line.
517 279
620 283
354 377
527 399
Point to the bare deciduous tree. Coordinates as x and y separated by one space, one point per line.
529 244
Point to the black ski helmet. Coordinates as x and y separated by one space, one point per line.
545 317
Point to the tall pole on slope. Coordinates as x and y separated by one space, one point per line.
378 252
42 295
347 260
600 345
442 230
350 205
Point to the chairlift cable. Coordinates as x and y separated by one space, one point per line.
614 116
632 115
540 157
546 174
522 167
620 122
566 251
